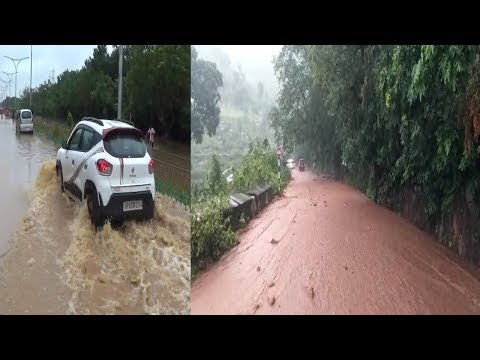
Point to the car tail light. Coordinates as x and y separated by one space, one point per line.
104 167
150 166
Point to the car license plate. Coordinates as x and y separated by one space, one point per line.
132 205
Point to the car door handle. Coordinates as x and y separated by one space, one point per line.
73 162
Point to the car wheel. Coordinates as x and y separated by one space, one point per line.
94 209
60 177
149 212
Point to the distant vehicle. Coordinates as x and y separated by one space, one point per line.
301 165
291 164
229 177
24 120
106 164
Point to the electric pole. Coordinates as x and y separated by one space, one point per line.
10 75
31 63
16 62
120 73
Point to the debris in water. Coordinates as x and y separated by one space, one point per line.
346 267
272 284
271 300
273 241
258 268
311 292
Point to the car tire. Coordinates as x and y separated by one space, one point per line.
150 212
60 176
94 210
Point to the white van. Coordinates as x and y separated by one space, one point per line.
24 119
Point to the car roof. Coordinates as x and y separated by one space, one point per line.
100 125
25 110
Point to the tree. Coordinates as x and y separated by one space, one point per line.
205 97
404 120
156 88
215 182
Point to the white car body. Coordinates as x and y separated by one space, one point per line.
131 181
291 164
24 120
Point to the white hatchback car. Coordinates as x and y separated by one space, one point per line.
106 163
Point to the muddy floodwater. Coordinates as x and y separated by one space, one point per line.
325 248
54 262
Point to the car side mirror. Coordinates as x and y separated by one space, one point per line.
64 145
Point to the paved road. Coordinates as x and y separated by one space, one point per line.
325 248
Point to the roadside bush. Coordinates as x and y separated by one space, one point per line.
70 122
211 235
211 232
260 165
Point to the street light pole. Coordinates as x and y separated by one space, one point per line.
16 72
31 63
120 65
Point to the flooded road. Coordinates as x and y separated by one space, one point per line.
325 248
20 160
57 263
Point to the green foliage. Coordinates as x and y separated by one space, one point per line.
156 89
169 189
215 183
243 118
211 236
205 97
398 116
260 165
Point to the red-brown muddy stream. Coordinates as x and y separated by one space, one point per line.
325 248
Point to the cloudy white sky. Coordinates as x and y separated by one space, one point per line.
255 60
45 58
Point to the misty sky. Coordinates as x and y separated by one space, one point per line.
255 60
45 58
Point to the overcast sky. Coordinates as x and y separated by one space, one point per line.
45 59
255 60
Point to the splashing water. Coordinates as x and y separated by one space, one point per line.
143 267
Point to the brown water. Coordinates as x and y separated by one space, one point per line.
325 248
20 159
59 264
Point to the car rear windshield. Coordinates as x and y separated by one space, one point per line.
26 114
125 146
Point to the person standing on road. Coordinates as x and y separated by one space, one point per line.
151 133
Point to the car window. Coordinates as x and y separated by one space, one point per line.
87 140
125 146
26 114
75 140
